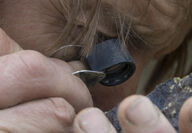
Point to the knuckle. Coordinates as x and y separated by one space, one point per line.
31 54
32 63
62 110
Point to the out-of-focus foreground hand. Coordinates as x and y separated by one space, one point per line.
37 94
136 114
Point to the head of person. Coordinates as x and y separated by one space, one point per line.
148 29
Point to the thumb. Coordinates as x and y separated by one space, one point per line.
138 115
7 45
92 120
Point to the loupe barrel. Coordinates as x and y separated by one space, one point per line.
112 59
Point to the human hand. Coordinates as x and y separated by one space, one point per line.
38 94
136 114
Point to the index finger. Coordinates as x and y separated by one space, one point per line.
28 75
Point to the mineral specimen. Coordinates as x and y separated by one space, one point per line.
168 97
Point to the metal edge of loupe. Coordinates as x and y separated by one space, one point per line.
90 78
61 53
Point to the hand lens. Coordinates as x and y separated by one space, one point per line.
71 53
109 57
108 62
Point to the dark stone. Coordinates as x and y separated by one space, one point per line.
168 97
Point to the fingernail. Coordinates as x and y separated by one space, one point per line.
93 121
142 113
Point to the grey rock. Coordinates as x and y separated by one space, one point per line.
168 97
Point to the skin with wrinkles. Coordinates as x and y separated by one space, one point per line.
39 24
36 25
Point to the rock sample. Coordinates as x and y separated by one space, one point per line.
168 97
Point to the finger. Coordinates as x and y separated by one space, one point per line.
185 117
53 115
138 115
92 120
28 75
7 45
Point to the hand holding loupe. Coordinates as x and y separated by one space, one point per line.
108 63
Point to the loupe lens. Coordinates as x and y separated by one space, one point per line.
116 69
118 74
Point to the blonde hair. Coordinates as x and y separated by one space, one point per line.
174 64
71 10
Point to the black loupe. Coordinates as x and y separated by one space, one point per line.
110 58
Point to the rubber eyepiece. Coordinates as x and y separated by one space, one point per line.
113 60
